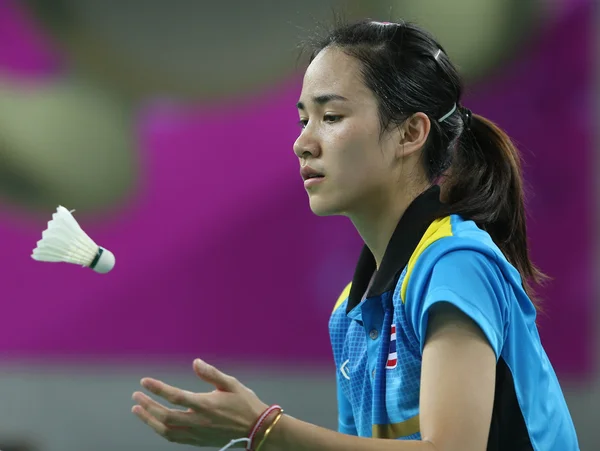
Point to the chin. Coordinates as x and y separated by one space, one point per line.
321 208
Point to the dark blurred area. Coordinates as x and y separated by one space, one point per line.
168 128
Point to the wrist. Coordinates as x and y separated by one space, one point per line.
266 430
275 440
262 427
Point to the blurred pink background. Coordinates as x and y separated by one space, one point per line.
218 254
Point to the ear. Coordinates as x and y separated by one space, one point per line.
414 133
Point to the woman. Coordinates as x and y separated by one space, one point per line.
435 340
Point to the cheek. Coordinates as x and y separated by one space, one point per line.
351 144
354 153
364 159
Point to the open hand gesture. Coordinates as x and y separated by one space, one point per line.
209 419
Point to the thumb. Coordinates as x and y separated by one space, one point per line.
212 375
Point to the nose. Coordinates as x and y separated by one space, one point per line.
307 145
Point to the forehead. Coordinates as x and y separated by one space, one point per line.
334 71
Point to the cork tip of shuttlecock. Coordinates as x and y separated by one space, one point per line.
105 261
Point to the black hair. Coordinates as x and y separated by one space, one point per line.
473 160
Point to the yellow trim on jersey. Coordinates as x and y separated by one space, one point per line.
397 430
342 297
440 228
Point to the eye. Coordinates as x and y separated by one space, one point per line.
331 118
302 123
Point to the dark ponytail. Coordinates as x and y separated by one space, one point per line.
479 167
484 183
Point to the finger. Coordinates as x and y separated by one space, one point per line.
169 417
172 394
212 375
150 420
172 434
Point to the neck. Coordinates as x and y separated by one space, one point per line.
377 222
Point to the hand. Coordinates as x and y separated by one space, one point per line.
211 419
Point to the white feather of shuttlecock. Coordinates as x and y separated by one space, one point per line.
65 241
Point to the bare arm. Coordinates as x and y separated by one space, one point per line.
457 394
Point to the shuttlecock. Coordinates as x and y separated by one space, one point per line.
65 241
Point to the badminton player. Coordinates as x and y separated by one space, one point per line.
435 340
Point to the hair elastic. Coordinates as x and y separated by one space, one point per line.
467 116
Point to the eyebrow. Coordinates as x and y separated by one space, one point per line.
322 100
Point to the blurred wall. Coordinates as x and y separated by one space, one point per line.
201 202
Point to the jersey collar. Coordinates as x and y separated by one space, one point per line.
412 225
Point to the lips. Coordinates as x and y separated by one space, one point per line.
308 173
